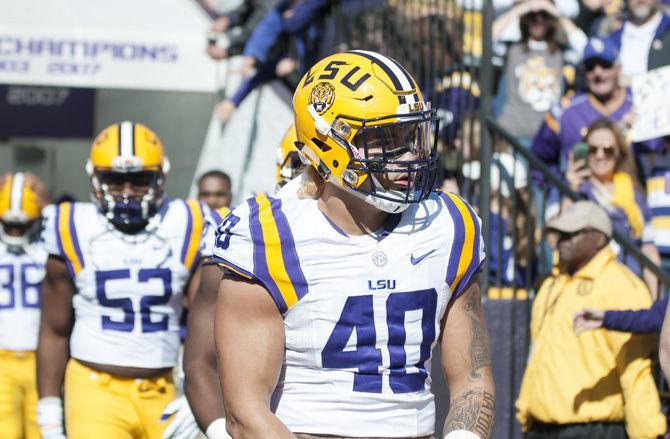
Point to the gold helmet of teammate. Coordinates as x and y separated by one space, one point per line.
288 159
127 167
362 123
20 208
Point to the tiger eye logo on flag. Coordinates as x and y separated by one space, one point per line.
322 97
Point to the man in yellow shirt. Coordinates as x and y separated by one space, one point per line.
597 384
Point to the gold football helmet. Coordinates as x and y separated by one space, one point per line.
362 123
127 167
20 208
288 159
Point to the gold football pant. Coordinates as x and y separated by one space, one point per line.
18 395
102 406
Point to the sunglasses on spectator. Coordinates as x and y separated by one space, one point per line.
563 236
609 151
591 64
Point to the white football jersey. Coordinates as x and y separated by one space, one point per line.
361 313
129 287
21 275
213 218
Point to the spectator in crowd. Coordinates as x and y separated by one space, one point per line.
512 216
265 56
605 178
567 122
214 189
231 30
457 101
644 27
654 163
598 385
600 17
532 75
643 321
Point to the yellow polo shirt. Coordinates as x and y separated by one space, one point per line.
600 375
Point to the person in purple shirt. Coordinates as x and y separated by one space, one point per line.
643 321
566 123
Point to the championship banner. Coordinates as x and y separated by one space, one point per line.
141 44
652 107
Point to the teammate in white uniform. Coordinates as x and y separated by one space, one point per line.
22 261
123 264
202 385
337 289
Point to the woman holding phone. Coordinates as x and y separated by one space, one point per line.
606 176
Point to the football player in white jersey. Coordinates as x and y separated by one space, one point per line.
336 290
22 262
202 385
116 275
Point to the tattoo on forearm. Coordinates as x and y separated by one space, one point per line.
479 348
474 411
480 356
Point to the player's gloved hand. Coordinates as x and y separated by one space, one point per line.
50 417
217 430
183 424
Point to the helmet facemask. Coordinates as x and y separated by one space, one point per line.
17 233
128 199
394 159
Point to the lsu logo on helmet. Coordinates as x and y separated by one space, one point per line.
322 97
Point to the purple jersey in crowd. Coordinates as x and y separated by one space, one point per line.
566 124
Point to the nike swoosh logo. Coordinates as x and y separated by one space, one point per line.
415 261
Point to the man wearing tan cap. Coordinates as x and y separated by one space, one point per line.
597 384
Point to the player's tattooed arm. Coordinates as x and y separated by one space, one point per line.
473 410
466 361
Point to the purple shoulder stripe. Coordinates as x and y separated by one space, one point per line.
261 270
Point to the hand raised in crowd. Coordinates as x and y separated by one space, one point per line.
526 7
224 110
217 52
286 66
587 319
220 24
577 172
246 67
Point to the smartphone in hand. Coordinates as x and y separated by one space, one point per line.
580 151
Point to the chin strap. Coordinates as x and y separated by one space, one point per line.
387 206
